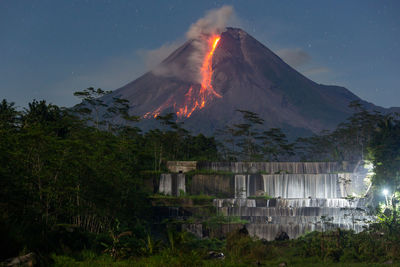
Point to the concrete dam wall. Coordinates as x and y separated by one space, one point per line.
293 197
276 167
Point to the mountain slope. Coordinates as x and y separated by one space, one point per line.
245 75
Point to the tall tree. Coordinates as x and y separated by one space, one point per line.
8 115
347 142
275 145
248 134
384 151
92 106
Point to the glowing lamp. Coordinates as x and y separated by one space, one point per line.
385 192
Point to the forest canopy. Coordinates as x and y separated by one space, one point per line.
77 168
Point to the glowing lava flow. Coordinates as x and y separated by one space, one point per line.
195 98
206 70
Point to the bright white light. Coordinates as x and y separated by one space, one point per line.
385 192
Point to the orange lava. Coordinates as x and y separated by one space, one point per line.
195 98
206 69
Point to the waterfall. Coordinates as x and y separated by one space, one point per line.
277 167
295 213
291 203
172 184
302 192
294 185
302 185
295 216
248 185
180 183
240 186
165 184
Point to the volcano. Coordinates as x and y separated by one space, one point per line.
236 72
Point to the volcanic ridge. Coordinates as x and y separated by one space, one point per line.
235 71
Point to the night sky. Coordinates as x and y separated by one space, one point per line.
49 49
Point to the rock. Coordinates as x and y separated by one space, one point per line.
216 255
282 236
283 264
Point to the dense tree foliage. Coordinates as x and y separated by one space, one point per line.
57 171
364 136
71 178
384 153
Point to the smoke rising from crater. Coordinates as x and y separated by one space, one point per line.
213 23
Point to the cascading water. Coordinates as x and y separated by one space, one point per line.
172 184
307 197
240 186
294 197
277 167
303 186
165 184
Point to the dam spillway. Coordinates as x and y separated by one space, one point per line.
289 185
274 197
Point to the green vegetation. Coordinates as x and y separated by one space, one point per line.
384 152
77 188
70 177
260 197
373 247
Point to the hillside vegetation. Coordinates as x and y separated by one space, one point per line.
76 187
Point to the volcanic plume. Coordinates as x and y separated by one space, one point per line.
206 79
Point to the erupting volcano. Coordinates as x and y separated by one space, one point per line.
235 71
195 98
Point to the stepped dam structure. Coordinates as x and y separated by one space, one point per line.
272 197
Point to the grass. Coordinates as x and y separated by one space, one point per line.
194 258
334 248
